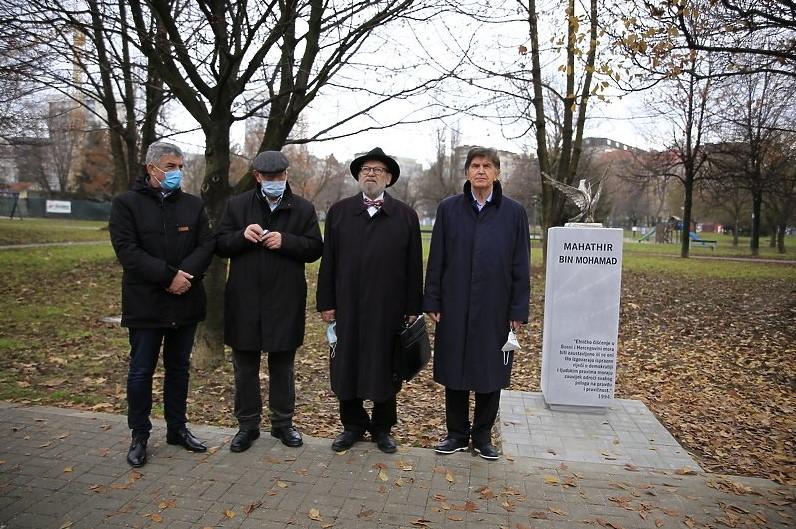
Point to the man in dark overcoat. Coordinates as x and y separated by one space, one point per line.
269 234
477 288
370 282
163 241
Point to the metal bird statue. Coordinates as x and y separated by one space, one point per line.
581 196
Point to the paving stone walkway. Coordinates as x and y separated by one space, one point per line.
66 469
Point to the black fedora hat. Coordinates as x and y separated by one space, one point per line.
376 154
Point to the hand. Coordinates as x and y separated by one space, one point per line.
436 316
515 325
411 319
254 233
328 315
180 284
273 240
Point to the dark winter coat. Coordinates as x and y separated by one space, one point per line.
153 238
371 274
266 293
478 279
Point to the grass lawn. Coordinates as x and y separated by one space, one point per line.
37 230
707 345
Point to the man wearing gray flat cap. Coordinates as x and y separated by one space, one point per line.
268 234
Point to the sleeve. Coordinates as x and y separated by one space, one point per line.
521 270
132 256
414 263
432 299
229 234
306 246
198 260
325 295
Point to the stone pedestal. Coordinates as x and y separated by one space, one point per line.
581 316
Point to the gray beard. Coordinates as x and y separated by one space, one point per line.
372 191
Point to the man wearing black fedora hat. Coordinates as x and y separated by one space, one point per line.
370 282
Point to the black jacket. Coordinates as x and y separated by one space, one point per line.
153 238
372 275
266 294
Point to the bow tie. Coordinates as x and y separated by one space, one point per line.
374 203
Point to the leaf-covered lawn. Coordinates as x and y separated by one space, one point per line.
712 355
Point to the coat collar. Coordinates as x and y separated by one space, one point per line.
142 186
497 193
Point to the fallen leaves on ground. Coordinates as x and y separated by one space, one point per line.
712 358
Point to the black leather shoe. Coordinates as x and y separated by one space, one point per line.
386 443
486 450
345 440
185 439
449 445
288 435
243 440
136 456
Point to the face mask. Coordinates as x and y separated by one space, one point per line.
171 179
331 336
273 188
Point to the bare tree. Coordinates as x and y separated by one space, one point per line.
443 178
218 57
739 36
94 65
757 113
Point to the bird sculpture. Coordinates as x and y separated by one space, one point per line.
581 196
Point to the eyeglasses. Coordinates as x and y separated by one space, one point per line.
375 170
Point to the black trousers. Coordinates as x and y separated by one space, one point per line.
281 392
457 415
355 418
145 346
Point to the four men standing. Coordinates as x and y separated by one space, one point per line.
369 286
370 282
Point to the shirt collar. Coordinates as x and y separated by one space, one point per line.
479 205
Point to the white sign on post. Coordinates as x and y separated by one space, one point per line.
581 315
58 206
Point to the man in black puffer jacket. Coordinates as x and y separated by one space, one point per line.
163 241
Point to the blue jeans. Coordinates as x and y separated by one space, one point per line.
145 346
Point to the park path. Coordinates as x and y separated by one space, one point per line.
51 244
66 469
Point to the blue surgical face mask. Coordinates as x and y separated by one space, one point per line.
273 188
171 179
331 337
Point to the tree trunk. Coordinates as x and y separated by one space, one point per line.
685 239
754 243
781 238
209 344
735 227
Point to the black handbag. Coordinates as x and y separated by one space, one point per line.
412 349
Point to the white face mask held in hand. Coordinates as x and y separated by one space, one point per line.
331 337
511 345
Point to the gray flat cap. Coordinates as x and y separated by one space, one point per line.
270 162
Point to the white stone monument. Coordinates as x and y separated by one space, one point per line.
581 316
